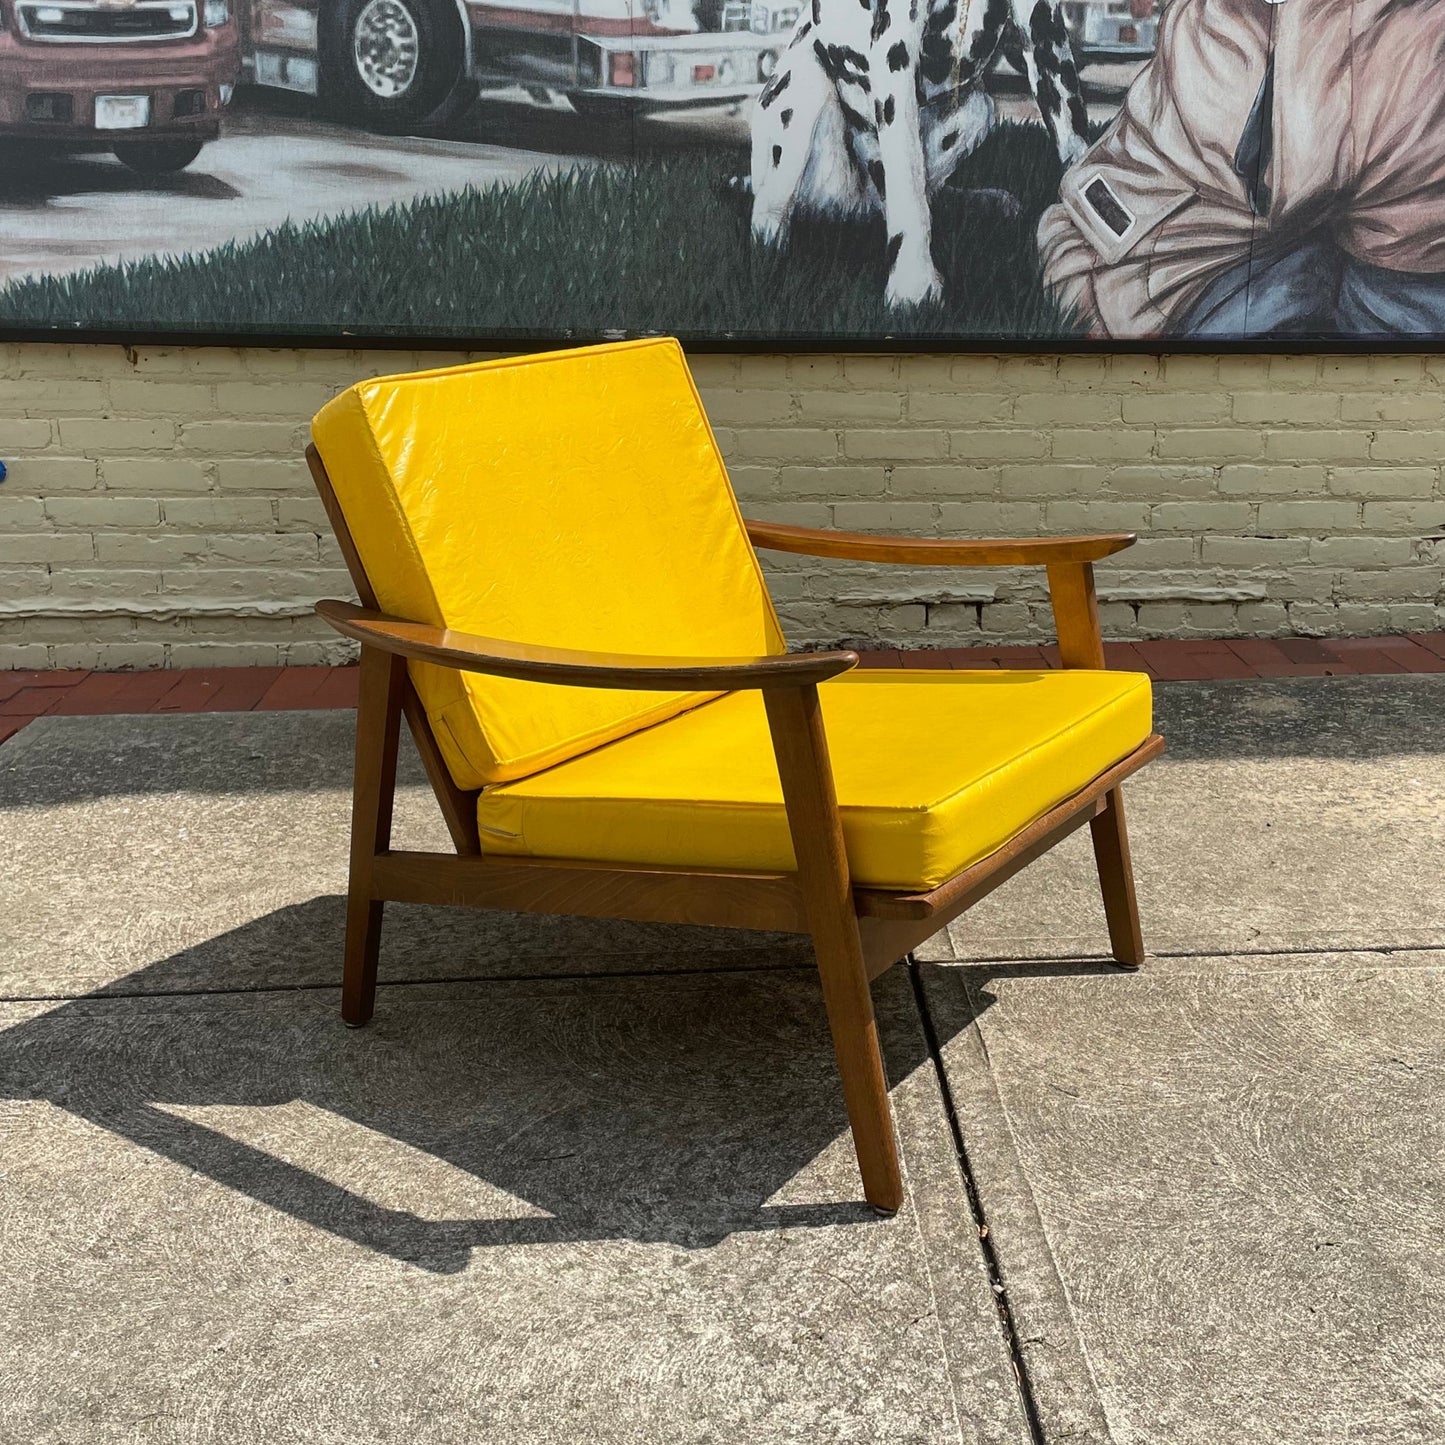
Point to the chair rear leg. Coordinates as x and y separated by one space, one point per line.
378 727
1116 880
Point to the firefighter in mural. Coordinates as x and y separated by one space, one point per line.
1277 169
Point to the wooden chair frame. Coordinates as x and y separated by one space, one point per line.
857 932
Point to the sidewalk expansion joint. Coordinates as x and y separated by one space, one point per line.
980 1218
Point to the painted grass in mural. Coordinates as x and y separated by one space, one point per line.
660 246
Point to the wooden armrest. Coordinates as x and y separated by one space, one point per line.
573 668
937 551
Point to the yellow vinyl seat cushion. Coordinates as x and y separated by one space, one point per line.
934 771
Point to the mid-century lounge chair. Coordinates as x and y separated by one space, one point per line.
559 594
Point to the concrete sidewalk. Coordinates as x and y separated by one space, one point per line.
592 1182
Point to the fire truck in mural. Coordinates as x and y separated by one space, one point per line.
149 79
394 64
146 79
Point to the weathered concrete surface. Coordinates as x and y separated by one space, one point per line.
605 1210
150 854
613 1208
1214 1186
593 1208
1215 1191
1285 815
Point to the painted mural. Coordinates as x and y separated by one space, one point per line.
832 171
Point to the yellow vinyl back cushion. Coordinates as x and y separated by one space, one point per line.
575 499
934 771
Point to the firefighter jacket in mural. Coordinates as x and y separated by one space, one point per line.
1256 128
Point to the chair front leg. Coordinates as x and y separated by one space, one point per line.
796 722
378 727
1116 880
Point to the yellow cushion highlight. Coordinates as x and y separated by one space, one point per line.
575 499
934 771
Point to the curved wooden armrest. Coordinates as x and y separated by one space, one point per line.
937 551
467 653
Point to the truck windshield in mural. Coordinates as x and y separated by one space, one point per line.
831 171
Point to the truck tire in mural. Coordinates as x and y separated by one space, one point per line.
392 64
773 172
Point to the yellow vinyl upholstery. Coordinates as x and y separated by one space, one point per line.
573 500
933 770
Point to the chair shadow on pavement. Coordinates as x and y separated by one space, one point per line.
676 1107
646 1082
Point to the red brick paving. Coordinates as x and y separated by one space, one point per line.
340 689
18 681
1430 641
220 689
27 695
30 693
1305 649
32 702
114 692
1192 661
296 687
1125 656
1255 650
1306 669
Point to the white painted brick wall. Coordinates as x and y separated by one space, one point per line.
158 511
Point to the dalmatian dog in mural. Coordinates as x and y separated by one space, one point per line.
875 102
